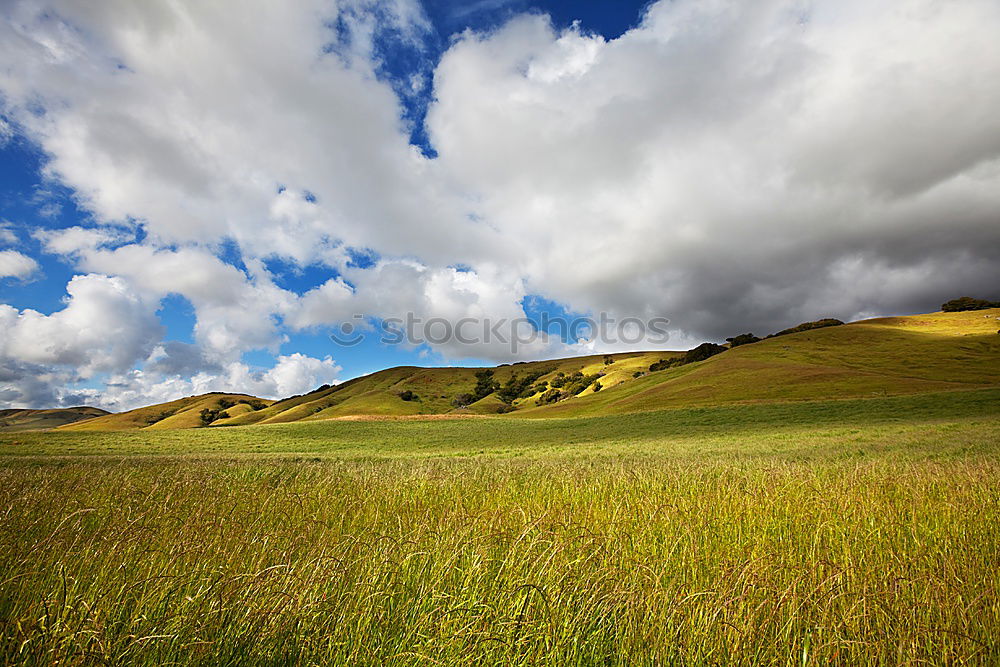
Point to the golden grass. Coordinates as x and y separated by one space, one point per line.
587 561
854 532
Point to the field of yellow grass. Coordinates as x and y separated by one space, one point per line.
858 531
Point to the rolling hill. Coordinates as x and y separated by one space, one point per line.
182 413
871 358
879 357
40 420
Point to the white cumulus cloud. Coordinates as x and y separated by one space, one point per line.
14 264
291 375
104 326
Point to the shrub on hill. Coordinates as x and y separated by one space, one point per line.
968 303
485 384
208 416
504 408
663 363
808 326
597 387
702 352
519 386
567 386
742 339
551 396
575 383
408 395
608 360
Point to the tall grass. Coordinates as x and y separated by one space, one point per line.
581 560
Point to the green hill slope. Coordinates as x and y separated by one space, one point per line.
434 390
40 420
881 357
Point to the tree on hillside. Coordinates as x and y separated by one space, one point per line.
485 384
208 416
463 400
742 339
808 326
702 352
968 303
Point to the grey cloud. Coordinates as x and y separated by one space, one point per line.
731 165
26 385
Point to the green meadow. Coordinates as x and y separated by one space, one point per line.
861 531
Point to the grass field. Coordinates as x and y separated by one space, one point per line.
862 531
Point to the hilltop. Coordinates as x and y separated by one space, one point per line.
891 356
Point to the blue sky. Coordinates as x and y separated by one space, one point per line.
189 203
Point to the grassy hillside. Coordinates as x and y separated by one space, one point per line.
182 413
881 357
435 389
14 420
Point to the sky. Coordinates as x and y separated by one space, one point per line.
240 196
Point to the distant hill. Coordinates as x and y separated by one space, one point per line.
879 357
41 420
182 413
435 390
